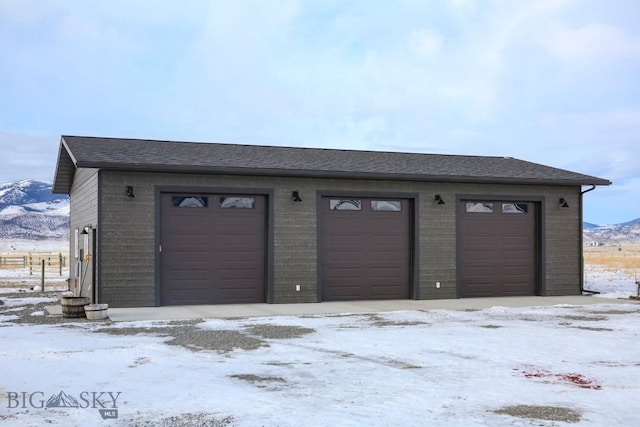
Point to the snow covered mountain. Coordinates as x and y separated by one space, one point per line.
628 232
28 210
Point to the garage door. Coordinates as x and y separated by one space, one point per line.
497 248
366 250
212 249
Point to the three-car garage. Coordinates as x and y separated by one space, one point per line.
217 223
214 248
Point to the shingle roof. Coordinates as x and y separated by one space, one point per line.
170 156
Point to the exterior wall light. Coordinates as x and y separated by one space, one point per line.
85 238
296 196
563 203
439 200
130 191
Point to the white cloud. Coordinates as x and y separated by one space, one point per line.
598 142
593 42
425 42
624 124
480 56
620 164
244 33
458 7
88 35
27 12
28 156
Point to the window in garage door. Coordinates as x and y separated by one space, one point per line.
365 248
213 249
345 205
497 248
190 201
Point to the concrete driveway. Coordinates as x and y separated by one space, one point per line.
266 310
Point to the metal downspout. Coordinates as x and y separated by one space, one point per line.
582 289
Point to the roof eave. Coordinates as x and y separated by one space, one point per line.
339 174
65 170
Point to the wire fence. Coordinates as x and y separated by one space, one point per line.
615 257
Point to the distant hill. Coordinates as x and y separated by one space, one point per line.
28 210
628 232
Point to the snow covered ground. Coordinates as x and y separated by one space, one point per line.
555 365
611 283
34 245
21 280
14 279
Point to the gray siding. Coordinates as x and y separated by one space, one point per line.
128 241
295 242
129 231
563 246
560 263
84 212
438 242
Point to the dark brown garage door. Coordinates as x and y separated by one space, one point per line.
497 248
366 250
212 249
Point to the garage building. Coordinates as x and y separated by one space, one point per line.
175 223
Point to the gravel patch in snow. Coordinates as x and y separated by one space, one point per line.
221 341
550 413
29 309
188 335
589 328
251 378
587 318
200 419
279 331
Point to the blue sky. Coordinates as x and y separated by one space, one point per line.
553 82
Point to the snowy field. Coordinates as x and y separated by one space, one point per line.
546 366
20 280
23 280
33 245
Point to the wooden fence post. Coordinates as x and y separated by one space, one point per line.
42 278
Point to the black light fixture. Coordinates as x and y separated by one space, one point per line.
130 191
563 203
85 241
438 199
296 196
